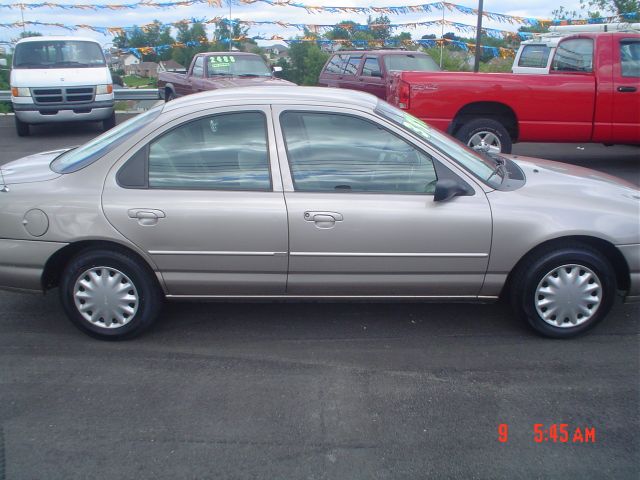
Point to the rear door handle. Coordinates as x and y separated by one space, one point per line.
146 216
627 89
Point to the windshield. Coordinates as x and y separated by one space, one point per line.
238 65
73 160
479 166
58 54
411 61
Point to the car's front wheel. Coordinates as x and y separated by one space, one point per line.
109 294
565 291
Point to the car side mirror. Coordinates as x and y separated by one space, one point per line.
447 188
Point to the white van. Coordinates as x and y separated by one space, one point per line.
60 79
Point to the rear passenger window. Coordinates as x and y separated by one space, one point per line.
220 152
574 55
352 65
371 67
630 58
336 64
534 56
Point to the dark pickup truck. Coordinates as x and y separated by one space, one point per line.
213 70
369 70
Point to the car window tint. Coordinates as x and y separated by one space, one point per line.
371 67
342 153
198 67
352 65
630 58
336 64
535 56
574 55
221 152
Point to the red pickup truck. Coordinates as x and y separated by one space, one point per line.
592 94
213 70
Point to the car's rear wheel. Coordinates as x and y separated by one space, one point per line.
564 292
109 294
485 134
22 128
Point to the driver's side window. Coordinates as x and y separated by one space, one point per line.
342 153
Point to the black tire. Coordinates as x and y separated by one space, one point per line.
22 129
149 296
480 125
109 123
532 272
169 95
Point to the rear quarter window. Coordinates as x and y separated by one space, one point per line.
534 56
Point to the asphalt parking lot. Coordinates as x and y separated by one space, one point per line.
315 390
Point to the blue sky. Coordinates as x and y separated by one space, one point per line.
261 11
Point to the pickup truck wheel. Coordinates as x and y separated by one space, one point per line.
109 123
484 134
22 129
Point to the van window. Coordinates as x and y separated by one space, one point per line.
58 54
575 55
534 56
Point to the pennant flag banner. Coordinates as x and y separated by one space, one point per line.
430 43
396 10
315 28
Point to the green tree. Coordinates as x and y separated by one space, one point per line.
306 62
600 8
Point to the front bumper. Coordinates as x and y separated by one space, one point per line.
22 263
93 111
631 254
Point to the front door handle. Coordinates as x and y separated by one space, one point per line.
311 216
626 89
146 216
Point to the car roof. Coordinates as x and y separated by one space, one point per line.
56 38
276 94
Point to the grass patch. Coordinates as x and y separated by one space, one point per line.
133 81
5 107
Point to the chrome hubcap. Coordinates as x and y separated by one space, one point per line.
568 296
106 297
485 142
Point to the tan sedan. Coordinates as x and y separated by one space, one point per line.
310 193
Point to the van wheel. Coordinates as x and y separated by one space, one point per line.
22 129
563 292
109 295
109 123
485 135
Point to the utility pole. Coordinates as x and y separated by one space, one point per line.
476 65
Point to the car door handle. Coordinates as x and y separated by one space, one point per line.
627 89
323 217
146 216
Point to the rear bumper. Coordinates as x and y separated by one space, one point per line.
631 254
94 111
22 263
